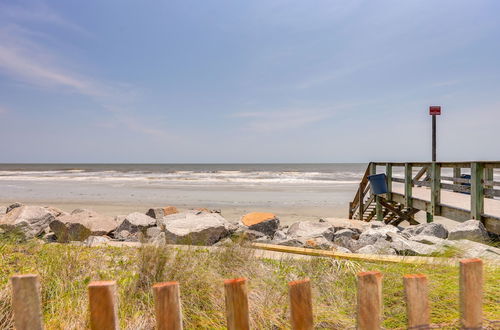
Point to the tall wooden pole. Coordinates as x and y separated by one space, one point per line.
433 138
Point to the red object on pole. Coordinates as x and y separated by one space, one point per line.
434 110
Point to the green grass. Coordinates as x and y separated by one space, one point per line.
66 270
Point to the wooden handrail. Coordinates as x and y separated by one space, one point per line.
480 186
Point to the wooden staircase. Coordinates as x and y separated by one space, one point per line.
421 186
391 213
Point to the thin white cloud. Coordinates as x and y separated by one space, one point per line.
37 12
24 59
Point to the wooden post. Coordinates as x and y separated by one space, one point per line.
369 309
26 302
457 174
408 185
435 189
360 201
373 170
488 176
103 306
471 293
378 209
417 301
388 172
476 191
167 306
301 305
237 304
378 206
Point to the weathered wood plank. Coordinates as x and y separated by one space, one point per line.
388 173
369 301
435 189
477 193
408 184
488 178
236 304
471 293
301 305
417 301
26 302
103 306
168 309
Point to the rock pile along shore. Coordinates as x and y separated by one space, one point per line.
166 225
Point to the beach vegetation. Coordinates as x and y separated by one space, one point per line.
65 270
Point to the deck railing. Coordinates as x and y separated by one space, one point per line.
480 184
103 305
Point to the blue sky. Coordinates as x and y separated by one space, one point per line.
248 81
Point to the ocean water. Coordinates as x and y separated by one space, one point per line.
293 189
187 174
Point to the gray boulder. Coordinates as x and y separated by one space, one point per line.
13 206
160 212
427 229
472 230
153 232
319 242
81 224
471 249
345 233
279 235
341 249
372 235
311 229
198 229
247 234
407 247
3 210
354 225
374 249
135 222
55 211
290 242
430 240
266 223
346 242
29 221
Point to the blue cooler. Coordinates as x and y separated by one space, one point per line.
378 183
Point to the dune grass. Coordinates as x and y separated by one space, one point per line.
66 270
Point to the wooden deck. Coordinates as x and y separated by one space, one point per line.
459 198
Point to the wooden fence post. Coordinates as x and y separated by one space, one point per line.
26 302
301 305
417 302
457 174
168 309
360 200
103 306
369 309
489 176
388 172
471 293
408 185
237 304
476 190
435 189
